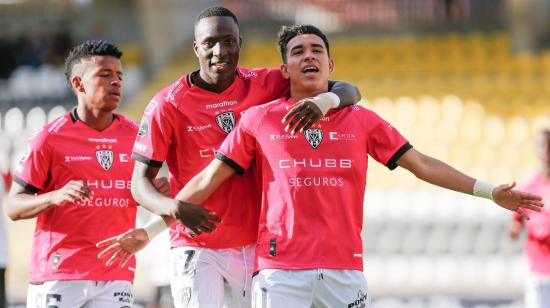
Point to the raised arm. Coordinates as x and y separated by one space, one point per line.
24 204
439 173
307 112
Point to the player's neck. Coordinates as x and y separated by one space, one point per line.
217 86
298 94
96 119
546 172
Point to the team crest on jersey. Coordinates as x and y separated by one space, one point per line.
226 121
104 156
314 136
185 296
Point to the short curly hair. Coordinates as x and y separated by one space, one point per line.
287 33
212 11
89 49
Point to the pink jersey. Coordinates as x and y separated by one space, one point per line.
313 183
184 124
65 236
537 245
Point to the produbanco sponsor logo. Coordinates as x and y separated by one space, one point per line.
282 137
198 128
76 158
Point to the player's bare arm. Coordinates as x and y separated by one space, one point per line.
306 112
23 204
439 173
198 189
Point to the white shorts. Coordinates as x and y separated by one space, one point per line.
273 288
537 292
81 293
211 278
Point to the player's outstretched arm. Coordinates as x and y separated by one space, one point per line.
439 173
197 190
23 204
306 112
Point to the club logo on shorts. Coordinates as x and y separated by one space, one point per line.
185 296
104 156
314 136
143 127
226 121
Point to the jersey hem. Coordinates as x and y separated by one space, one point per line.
231 163
26 185
392 163
149 162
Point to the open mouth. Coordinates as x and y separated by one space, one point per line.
310 69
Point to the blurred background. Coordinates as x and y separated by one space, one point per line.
466 81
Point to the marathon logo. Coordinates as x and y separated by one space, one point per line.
282 137
103 140
221 105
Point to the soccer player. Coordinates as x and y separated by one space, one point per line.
75 178
182 125
537 244
309 251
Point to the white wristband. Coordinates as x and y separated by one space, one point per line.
483 190
155 226
326 101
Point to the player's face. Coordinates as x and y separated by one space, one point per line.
307 63
217 45
99 82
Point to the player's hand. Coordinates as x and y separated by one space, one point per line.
122 247
72 192
197 218
162 185
515 200
302 115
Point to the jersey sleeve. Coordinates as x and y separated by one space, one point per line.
32 171
384 143
272 79
155 133
239 147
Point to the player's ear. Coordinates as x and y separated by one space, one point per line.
330 65
195 48
77 84
240 41
284 71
